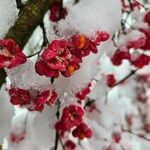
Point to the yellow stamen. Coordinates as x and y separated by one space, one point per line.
82 42
82 136
71 70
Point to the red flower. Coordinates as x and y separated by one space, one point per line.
75 114
82 131
142 97
48 97
116 136
70 145
129 120
111 80
17 138
101 36
56 12
138 43
33 100
147 18
146 46
72 116
141 61
10 54
54 59
19 96
83 93
119 56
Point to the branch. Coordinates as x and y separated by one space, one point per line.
45 40
126 77
63 147
2 77
56 140
131 6
57 133
19 4
30 16
136 134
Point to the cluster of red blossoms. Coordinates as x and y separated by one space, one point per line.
143 43
139 62
10 54
33 101
72 117
57 12
70 145
81 95
64 56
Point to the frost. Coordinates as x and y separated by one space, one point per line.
25 77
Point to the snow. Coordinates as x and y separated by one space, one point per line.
6 113
132 36
25 77
113 103
89 16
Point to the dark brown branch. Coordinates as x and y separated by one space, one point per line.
45 40
19 4
56 140
131 6
29 18
57 133
126 77
2 77
61 142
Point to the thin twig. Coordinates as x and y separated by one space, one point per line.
141 5
126 77
89 102
136 134
45 40
131 6
37 53
56 140
63 147
57 133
